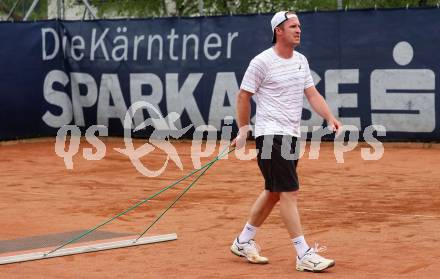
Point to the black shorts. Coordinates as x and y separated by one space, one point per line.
279 171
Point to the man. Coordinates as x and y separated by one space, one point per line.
278 77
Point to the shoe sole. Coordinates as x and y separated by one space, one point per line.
243 256
236 253
315 270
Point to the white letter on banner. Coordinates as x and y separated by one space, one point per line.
122 47
56 40
158 49
75 47
98 43
82 100
172 36
154 97
97 143
196 46
207 45
75 135
137 40
225 86
58 98
420 106
230 39
110 88
345 100
183 99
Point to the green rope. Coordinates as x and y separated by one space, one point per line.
207 165
178 197
181 194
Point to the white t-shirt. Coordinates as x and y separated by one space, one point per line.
278 85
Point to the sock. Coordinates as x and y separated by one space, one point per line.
300 245
247 234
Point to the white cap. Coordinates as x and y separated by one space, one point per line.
279 18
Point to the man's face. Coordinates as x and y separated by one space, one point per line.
290 32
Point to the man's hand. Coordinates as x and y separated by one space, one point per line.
320 106
239 142
334 125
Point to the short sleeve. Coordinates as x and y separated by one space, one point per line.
308 78
254 76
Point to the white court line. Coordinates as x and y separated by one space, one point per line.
371 213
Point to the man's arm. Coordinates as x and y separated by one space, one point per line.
243 113
320 106
243 108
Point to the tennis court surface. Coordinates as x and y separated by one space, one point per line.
378 219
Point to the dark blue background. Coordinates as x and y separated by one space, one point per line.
361 40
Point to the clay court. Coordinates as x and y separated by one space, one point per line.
378 219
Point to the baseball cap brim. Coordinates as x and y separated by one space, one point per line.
278 19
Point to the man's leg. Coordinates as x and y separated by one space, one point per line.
262 207
244 245
307 259
260 210
289 213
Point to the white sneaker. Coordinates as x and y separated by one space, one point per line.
313 262
250 250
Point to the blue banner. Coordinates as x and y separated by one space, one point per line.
374 67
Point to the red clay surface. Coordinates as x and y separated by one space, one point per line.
379 219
